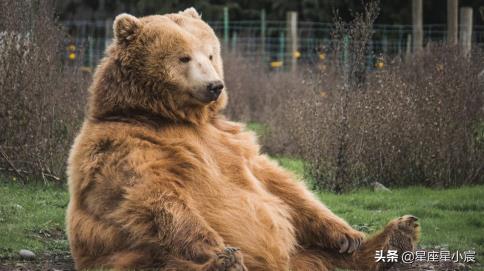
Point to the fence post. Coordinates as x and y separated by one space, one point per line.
226 26
408 49
292 48
452 21
108 27
384 43
263 26
90 40
417 22
466 29
234 41
282 43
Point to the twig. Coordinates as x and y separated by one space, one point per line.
4 155
46 174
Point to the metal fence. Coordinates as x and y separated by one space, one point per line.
267 40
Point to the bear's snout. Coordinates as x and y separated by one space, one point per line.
214 89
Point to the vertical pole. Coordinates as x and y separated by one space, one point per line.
263 27
466 29
108 26
226 26
234 41
417 18
384 43
282 43
400 40
90 40
292 48
452 21
408 49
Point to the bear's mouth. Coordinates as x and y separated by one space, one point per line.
205 97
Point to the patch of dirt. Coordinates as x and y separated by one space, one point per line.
63 261
46 262
428 266
50 234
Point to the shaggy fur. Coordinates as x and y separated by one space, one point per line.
159 179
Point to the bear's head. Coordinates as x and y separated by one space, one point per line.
162 66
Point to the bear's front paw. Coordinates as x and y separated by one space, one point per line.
347 240
230 259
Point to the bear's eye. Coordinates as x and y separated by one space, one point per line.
210 57
185 59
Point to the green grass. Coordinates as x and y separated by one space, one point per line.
450 218
294 165
259 128
32 217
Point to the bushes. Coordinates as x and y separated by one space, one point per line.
417 121
42 98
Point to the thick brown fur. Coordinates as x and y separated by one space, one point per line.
159 179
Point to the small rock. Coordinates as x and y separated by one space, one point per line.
27 254
379 187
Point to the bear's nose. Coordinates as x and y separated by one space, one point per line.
214 89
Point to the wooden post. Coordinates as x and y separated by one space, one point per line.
465 37
452 21
90 40
226 26
263 27
292 41
384 44
108 34
234 41
417 24
282 43
408 48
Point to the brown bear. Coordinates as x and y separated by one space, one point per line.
159 179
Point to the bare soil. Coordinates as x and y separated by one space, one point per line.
57 262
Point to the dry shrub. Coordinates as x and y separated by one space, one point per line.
42 97
418 121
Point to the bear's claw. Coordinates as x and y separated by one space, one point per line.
230 260
405 233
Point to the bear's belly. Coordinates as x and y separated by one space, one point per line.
247 216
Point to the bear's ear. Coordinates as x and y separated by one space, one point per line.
126 27
192 12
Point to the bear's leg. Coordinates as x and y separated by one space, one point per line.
400 234
228 260
314 223
125 260
161 220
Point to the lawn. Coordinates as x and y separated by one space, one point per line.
32 217
450 218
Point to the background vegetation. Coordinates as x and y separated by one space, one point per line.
393 12
42 97
419 120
